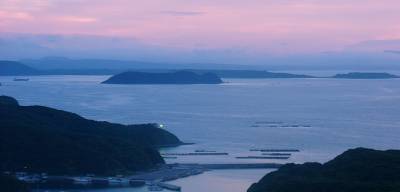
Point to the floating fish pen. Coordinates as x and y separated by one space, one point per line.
268 122
21 79
276 150
118 181
169 157
277 154
263 157
204 151
82 180
188 154
242 166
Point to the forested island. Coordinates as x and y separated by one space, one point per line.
361 75
16 68
169 76
252 74
178 77
356 170
39 139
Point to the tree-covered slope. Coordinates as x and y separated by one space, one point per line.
42 139
178 77
356 170
249 74
359 75
11 184
16 68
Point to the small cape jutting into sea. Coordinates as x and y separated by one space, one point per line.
39 139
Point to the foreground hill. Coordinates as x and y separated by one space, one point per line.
11 184
356 170
359 75
179 77
42 139
16 68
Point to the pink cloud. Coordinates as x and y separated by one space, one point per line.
77 19
9 15
262 25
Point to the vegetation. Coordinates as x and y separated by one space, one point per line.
16 68
356 170
41 139
179 77
11 184
358 75
253 74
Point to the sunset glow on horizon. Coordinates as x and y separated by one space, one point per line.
299 26
224 31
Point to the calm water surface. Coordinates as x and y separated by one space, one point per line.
321 117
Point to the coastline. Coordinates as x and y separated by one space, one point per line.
164 173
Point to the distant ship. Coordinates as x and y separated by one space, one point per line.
21 79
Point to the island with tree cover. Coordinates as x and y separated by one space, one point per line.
178 77
37 139
250 74
8 68
362 75
356 170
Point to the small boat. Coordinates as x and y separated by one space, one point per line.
21 79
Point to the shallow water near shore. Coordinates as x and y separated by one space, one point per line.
226 180
320 117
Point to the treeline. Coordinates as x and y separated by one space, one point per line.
356 170
41 139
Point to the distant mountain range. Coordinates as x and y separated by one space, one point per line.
63 66
63 63
368 55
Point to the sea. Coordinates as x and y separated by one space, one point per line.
320 117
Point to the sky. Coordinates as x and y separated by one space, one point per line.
207 30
